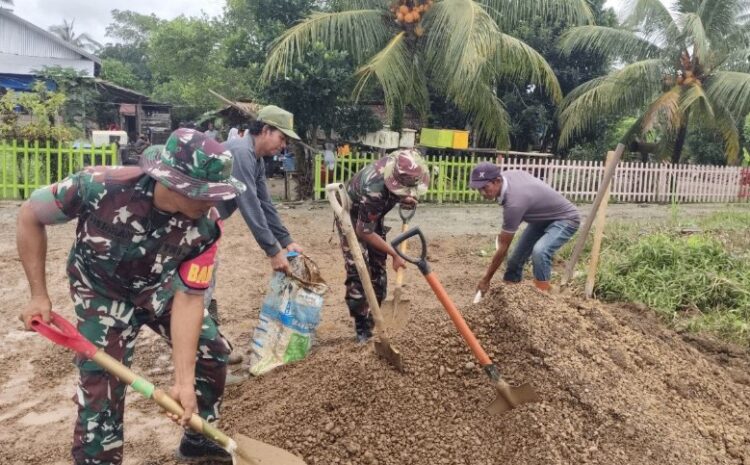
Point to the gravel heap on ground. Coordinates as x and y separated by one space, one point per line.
617 388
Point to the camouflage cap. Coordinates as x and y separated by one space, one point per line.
278 118
405 172
193 165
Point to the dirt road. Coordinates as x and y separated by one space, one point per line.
616 386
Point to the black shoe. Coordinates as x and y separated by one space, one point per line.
213 310
195 448
363 325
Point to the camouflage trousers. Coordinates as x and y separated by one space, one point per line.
114 326
375 260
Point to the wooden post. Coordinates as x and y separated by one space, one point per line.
601 218
583 233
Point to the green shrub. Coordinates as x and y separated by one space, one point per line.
693 281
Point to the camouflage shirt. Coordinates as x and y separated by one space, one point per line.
371 200
125 248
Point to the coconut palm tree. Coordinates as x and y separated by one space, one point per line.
681 68
457 46
83 41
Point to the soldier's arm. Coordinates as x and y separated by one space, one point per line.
54 204
186 321
31 240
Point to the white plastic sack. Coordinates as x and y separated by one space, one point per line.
289 316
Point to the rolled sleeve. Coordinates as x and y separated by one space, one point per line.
60 202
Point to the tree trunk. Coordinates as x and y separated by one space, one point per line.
643 148
679 142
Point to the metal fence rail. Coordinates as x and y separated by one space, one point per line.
25 166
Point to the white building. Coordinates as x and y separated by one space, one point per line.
26 49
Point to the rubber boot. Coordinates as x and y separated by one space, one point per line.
542 285
363 325
194 448
238 376
235 358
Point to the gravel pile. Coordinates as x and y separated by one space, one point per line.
616 388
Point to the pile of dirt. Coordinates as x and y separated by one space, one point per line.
615 389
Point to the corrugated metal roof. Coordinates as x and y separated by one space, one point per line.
20 37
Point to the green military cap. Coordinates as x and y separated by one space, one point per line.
278 118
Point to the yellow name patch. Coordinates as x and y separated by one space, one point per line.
200 274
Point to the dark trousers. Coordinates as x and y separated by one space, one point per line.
375 260
113 326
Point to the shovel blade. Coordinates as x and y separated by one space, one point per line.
391 355
395 313
253 452
509 397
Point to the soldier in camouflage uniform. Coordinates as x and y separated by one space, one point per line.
397 178
143 255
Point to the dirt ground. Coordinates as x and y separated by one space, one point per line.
616 386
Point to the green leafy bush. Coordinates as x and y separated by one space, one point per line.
694 281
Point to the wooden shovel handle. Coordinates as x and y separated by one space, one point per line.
458 320
402 249
62 332
338 198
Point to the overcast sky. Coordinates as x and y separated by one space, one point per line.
93 16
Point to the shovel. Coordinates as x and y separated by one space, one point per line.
508 397
244 450
339 200
396 310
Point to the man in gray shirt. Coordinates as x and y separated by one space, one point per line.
551 221
268 135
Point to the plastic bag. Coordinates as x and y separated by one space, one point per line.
289 316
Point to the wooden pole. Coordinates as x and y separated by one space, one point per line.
601 218
583 233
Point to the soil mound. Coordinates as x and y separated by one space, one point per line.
614 389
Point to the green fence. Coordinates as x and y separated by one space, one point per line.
449 176
25 166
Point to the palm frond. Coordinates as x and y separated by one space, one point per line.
343 5
607 41
650 17
695 35
693 97
737 60
401 80
717 15
727 127
517 61
723 124
488 118
663 112
731 90
462 38
509 13
359 32
626 90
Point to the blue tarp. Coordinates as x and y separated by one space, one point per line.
22 82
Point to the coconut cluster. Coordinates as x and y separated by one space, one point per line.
409 13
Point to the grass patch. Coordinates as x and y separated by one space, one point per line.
695 282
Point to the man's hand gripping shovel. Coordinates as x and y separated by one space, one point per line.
508 397
339 200
244 450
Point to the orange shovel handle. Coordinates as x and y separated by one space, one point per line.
458 320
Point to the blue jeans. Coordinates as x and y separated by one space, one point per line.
539 241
